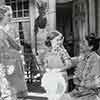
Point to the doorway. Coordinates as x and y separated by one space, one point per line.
64 24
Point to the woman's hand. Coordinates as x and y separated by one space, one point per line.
77 81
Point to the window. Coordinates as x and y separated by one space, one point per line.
20 7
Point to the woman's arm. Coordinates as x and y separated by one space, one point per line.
94 75
74 61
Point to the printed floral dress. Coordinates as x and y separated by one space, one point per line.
88 76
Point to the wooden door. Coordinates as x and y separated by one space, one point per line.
80 23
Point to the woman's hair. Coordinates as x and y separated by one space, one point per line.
50 37
93 41
3 10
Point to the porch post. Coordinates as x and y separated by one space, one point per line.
2 2
32 19
52 14
92 17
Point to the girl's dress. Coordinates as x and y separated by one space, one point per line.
54 81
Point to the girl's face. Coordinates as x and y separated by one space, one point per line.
57 40
84 47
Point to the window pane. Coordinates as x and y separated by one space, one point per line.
7 1
26 4
26 13
20 26
13 0
14 14
21 35
19 5
19 13
13 6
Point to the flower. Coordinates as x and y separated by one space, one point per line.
10 69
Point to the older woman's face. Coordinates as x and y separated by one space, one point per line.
84 47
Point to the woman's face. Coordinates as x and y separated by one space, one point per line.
84 47
7 18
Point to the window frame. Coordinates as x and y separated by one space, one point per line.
16 10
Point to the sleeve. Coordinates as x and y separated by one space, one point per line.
74 61
96 71
66 58
45 61
94 79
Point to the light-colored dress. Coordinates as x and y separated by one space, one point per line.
58 57
88 76
53 80
12 82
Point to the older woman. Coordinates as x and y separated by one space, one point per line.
87 73
12 82
56 61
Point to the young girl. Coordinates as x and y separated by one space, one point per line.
56 61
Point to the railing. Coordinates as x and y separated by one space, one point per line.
32 68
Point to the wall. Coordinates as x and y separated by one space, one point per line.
98 19
62 1
2 2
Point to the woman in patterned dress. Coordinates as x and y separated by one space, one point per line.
87 74
56 61
12 82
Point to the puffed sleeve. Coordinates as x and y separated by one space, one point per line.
45 61
94 75
66 58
